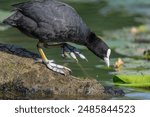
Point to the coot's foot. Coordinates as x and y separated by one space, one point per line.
71 52
57 68
39 60
54 67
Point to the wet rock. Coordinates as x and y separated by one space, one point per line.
21 78
16 50
114 91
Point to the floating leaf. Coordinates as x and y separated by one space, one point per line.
139 34
120 34
132 6
133 49
116 43
133 73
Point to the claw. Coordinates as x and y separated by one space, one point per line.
81 56
57 68
67 54
73 56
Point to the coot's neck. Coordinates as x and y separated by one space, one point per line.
96 45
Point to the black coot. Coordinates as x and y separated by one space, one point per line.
54 23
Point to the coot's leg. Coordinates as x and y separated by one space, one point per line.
50 63
68 51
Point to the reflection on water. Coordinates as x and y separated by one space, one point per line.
90 13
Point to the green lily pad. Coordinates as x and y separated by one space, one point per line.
131 6
126 35
120 34
133 49
132 79
116 43
133 73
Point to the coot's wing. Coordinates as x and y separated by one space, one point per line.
55 19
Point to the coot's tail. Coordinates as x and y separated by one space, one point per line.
12 20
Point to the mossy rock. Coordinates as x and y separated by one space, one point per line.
21 78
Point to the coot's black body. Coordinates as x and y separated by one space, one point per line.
54 21
50 20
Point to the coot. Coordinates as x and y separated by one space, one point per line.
55 23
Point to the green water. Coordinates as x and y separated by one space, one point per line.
98 23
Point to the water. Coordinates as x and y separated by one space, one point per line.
98 23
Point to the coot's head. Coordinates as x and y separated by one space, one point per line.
99 48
